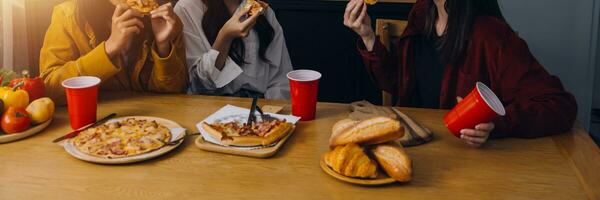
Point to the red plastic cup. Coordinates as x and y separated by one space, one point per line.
480 106
82 100
304 86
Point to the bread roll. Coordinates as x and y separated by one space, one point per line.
352 161
376 130
340 126
394 161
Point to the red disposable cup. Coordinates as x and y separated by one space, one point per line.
480 106
304 86
82 100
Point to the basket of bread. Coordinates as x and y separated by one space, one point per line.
365 152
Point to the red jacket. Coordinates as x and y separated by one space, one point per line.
536 102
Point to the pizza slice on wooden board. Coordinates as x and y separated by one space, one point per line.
262 133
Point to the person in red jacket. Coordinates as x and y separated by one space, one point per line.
449 46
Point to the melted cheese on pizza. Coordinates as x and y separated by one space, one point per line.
144 6
231 129
121 139
255 7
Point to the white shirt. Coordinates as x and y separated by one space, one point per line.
255 75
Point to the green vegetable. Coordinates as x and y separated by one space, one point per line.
6 76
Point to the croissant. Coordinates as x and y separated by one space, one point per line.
352 161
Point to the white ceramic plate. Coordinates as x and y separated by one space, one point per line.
17 136
177 132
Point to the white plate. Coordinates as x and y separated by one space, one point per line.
177 132
17 136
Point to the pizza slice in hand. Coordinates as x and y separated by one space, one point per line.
143 6
256 7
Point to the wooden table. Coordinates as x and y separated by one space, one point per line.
563 167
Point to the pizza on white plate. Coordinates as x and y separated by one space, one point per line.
262 133
124 138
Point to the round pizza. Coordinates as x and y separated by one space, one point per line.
234 133
124 138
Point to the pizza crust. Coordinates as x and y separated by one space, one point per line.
273 136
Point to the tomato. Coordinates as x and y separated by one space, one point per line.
15 120
34 86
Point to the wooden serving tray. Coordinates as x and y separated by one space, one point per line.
255 153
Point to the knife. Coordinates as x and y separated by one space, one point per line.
74 133
252 117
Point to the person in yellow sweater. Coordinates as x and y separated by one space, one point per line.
119 45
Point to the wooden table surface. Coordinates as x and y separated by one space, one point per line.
561 167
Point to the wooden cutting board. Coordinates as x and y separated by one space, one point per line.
255 153
265 152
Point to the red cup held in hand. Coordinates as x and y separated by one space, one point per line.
480 106
82 100
304 85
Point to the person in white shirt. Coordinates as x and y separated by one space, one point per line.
232 54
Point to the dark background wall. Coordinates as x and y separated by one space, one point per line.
318 40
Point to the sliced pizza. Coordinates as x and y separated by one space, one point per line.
125 138
370 2
256 6
262 133
143 6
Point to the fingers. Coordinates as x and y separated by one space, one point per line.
119 10
362 16
473 140
487 127
459 99
349 7
249 23
131 30
478 136
130 13
355 11
132 22
166 15
474 133
241 12
165 7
